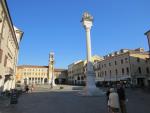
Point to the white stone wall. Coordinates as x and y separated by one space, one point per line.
9 48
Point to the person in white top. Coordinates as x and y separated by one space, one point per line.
113 101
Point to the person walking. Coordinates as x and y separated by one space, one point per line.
122 98
32 88
26 88
113 101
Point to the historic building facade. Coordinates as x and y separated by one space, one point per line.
76 71
29 74
10 38
125 65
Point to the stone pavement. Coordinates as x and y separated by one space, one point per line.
4 103
69 101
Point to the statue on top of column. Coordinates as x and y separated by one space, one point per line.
87 16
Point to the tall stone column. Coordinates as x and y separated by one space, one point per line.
31 80
34 81
148 38
90 90
88 42
43 81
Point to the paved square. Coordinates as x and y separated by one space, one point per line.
62 101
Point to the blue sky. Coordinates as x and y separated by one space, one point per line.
54 25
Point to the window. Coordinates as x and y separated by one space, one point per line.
110 72
78 78
116 72
100 74
121 61
109 63
122 71
127 69
126 60
147 70
115 62
139 69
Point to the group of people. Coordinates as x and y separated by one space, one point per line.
116 100
27 89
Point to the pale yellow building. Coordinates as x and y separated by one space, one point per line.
10 38
130 66
30 74
76 71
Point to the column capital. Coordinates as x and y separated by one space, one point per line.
87 29
87 24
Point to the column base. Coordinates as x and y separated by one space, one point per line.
52 84
91 92
91 89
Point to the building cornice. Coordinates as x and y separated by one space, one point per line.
31 66
37 66
10 23
126 53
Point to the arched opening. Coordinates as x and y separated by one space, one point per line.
56 81
45 81
25 81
